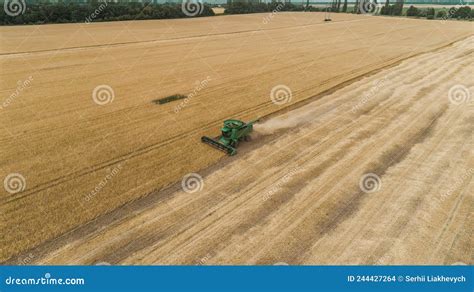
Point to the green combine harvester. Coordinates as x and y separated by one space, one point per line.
233 132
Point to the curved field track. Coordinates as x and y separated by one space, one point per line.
100 171
293 195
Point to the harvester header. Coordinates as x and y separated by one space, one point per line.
233 132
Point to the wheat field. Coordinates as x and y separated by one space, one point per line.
100 163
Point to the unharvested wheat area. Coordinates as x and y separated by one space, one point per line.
99 163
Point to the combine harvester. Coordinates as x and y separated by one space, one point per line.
233 132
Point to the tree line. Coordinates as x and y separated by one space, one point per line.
98 11
368 6
396 9
241 7
458 12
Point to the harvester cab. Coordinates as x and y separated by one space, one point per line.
232 133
